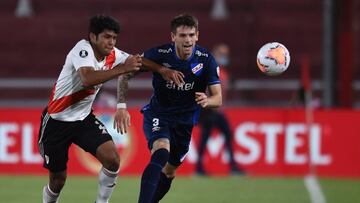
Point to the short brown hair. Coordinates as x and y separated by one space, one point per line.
184 20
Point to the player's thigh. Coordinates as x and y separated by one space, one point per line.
54 141
93 134
156 128
179 143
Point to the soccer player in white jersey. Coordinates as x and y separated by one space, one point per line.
68 116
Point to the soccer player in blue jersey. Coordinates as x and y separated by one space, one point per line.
173 109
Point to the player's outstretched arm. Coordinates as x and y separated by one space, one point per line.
122 116
212 101
90 77
168 74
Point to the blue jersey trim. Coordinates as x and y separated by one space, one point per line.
214 83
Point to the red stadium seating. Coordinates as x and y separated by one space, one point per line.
37 46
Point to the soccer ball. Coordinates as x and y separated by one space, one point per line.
273 58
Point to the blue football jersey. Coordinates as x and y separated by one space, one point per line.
200 70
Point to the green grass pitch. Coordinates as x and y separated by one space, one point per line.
232 189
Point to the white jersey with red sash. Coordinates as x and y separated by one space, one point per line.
70 100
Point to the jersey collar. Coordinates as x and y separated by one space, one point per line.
179 59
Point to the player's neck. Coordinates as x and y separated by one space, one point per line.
183 56
97 54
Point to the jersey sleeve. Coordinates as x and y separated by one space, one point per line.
120 56
82 56
152 54
213 71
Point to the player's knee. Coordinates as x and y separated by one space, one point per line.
113 162
114 165
57 182
108 155
170 170
162 143
170 173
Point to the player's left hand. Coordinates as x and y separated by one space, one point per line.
201 99
174 76
121 120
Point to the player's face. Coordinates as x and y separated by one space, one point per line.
104 42
185 39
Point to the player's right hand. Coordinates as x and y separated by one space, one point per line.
202 99
132 63
174 76
121 120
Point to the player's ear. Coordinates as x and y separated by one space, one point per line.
92 37
197 35
172 36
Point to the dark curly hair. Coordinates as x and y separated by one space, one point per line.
101 22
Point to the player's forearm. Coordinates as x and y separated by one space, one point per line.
152 66
214 101
123 86
90 77
215 98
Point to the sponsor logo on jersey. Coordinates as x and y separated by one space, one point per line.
197 68
185 87
166 51
199 53
83 53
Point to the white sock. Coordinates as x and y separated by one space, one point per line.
107 182
49 196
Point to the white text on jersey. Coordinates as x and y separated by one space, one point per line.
185 87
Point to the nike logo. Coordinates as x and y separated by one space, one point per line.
112 185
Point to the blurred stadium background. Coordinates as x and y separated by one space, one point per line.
323 35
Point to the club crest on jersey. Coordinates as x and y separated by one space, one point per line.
83 53
197 68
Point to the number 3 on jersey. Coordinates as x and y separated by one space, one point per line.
155 125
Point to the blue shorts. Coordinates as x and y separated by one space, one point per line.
177 128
